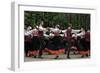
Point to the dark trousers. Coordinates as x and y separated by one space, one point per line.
69 49
65 43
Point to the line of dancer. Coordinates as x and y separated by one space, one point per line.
53 40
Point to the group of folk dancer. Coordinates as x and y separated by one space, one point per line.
40 40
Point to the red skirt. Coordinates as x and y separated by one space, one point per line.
84 52
55 52
32 53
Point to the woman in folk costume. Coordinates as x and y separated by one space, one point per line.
87 42
35 43
27 40
81 42
41 31
54 45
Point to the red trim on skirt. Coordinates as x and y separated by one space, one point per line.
55 52
84 52
31 53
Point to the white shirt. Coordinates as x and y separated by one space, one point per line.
29 28
26 33
81 34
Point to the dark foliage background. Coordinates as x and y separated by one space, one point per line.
51 19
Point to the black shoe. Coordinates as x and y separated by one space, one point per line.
34 57
56 57
82 56
74 53
68 57
86 55
40 57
